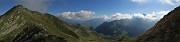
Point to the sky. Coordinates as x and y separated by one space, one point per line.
90 9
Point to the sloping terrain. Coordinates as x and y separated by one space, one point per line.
165 30
20 24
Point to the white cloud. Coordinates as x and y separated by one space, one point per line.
119 16
160 14
104 17
139 1
152 16
166 2
170 2
35 5
145 16
88 15
148 16
81 15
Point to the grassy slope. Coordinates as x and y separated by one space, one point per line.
19 18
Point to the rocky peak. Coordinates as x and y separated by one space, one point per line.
16 9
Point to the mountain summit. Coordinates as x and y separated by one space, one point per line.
165 30
20 24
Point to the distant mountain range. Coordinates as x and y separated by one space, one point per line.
92 22
165 30
20 24
132 27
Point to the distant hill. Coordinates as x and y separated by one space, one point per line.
95 22
92 22
129 27
165 30
20 24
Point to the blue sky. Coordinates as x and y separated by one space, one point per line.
100 7
108 6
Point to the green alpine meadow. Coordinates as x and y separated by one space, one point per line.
20 24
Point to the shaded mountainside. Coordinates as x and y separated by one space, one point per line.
94 22
20 24
129 27
88 32
165 30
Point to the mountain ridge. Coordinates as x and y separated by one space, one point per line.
19 16
20 24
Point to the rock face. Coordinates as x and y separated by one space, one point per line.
20 24
165 30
